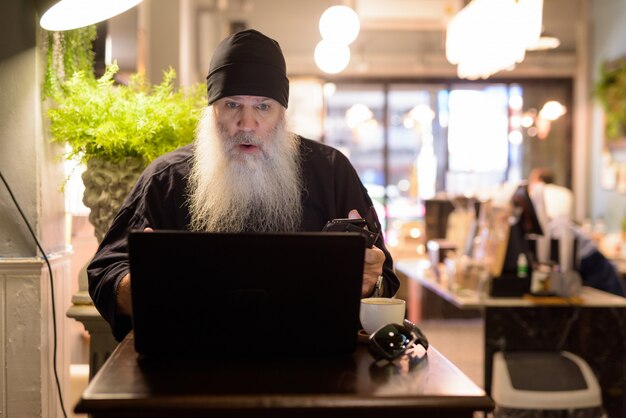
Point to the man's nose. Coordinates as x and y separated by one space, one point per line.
247 120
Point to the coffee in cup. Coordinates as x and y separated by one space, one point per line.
376 312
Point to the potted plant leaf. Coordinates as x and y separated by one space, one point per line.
611 91
116 130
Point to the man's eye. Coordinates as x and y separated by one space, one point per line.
231 105
264 107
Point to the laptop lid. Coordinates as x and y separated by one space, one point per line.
250 294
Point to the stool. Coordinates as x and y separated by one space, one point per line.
543 381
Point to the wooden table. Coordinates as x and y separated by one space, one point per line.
592 325
341 387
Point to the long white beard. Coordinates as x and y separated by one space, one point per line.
234 192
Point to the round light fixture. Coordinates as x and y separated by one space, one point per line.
73 14
552 110
331 57
544 43
339 24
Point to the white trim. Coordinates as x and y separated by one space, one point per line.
13 265
26 334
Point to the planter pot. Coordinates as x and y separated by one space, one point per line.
107 183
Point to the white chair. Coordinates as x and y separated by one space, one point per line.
544 380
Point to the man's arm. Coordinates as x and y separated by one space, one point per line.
123 302
109 270
109 280
158 199
333 191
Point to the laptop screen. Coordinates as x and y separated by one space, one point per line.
250 294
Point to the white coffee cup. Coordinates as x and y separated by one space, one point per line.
376 312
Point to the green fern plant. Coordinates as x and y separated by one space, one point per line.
611 91
100 119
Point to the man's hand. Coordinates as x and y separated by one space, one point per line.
373 265
122 293
122 297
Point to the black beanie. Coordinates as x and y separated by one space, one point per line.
248 63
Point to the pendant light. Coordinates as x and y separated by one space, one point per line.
73 14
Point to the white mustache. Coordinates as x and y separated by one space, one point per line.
245 139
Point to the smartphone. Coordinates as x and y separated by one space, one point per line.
358 225
340 224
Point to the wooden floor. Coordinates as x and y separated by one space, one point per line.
461 341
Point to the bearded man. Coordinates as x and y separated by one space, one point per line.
245 172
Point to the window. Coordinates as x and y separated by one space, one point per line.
410 141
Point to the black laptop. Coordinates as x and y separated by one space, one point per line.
224 294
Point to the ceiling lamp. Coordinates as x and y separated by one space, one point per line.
545 42
552 110
73 14
488 36
331 57
339 24
339 27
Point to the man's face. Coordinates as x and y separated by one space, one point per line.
246 168
247 121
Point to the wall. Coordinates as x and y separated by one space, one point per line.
162 42
36 186
30 165
18 128
608 33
